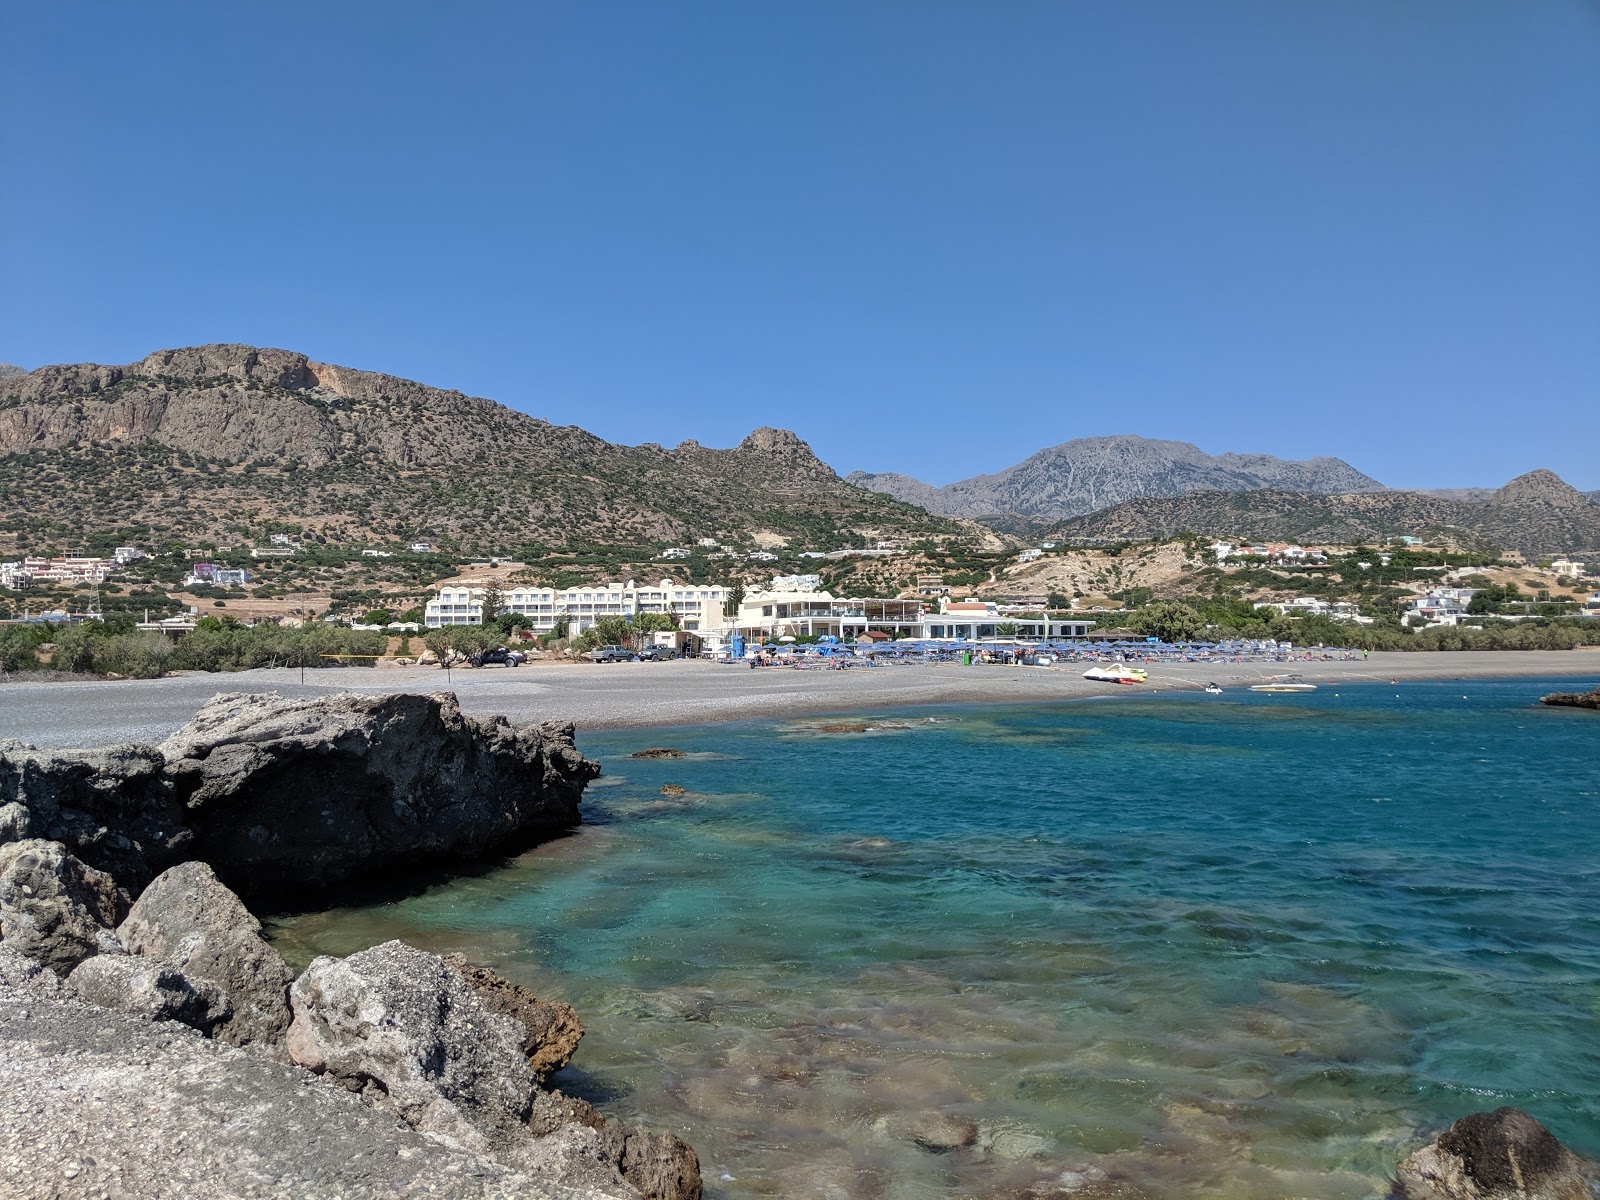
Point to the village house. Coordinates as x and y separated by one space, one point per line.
1565 568
1439 606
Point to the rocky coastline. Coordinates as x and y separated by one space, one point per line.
152 1042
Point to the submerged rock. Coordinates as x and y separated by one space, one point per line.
1499 1155
54 908
659 752
189 921
284 794
550 1030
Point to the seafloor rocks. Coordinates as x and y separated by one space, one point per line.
100 1103
410 1033
1499 1155
113 808
189 921
54 908
149 990
550 1030
284 794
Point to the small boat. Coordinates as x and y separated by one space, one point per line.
1213 689
1284 683
1119 673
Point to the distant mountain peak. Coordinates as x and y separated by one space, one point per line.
1087 474
1540 486
7 370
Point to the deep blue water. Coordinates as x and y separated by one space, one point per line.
1225 946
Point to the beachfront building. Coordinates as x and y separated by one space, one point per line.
698 606
976 620
1439 606
766 614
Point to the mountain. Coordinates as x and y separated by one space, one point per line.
7 370
212 442
1537 513
1089 474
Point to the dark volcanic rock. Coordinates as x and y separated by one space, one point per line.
550 1030
53 908
103 1104
1500 1155
188 921
658 752
1573 699
112 808
285 794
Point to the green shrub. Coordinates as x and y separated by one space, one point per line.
137 655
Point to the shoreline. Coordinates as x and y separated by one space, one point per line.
651 695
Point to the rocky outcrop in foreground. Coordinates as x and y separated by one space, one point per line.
1500 1155
153 1043
281 795
1573 699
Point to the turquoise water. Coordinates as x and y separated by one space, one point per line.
1237 946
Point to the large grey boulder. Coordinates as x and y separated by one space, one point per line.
550 1029
404 1029
285 794
112 807
54 908
99 1103
1501 1155
149 990
187 920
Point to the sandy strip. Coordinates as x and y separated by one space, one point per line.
624 695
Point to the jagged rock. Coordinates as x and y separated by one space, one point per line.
16 822
400 1026
53 907
111 807
661 1166
188 920
283 794
99 1103
1499 1155
149 990
1573 699
26 976
552 1109
550 1030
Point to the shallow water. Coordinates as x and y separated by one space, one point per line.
1237 946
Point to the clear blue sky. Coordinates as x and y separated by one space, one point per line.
929 236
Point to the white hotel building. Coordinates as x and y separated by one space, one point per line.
698 606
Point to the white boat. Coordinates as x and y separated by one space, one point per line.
1213 689
1118 673
1285 683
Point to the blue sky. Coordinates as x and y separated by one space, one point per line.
929 236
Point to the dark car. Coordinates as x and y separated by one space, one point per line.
607 654
498 656
657 654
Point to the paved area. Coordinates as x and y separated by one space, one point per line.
100 712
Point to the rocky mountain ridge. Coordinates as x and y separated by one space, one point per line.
1537 513
1088 474
189 442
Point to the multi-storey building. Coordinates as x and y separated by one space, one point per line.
698 606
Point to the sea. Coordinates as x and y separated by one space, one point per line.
1163 946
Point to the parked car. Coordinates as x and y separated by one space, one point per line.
657 654
605 654
499 655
